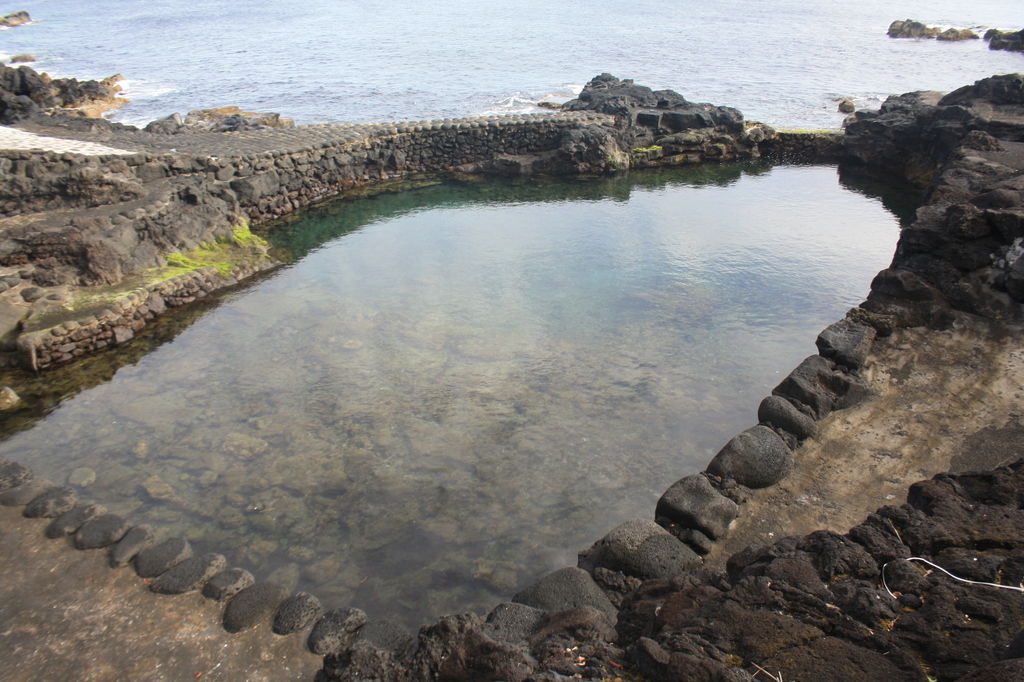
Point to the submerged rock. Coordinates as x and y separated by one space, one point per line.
13 474
190 574
134 541
21 495
102 531
252 605
152 561
70 521
51 503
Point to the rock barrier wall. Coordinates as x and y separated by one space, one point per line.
118 322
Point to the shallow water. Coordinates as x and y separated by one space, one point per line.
782 62
454 389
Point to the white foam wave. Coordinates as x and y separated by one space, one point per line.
135 88
529 103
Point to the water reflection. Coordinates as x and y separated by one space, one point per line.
455 388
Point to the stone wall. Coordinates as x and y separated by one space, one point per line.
118 321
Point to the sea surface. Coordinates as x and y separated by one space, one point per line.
782 62
451 390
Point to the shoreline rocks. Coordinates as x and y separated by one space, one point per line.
25 93
1012 41
15 19
910 28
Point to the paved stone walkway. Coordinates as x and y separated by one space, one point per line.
258 141
12 138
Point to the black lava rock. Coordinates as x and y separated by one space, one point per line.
13 474
335 631
228 583
133 542
252 605
846 342
296 613
70 521
190 574
152 561
511 622
756 458
563 589
51 503
21 495
782 414
692 502
102 531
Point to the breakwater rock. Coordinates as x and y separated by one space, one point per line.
25 93
15 18
910 28
1012 41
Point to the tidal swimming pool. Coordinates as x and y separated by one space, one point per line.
453 389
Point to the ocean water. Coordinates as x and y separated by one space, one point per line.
783 62
451 390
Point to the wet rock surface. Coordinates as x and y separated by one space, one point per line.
21 495
102 531
296 613
228 583
134 541
252 605
51 503
333 631
70 521
190 574
152 561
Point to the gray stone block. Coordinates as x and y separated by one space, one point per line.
756 458
692 502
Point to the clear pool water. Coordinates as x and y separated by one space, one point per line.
451 390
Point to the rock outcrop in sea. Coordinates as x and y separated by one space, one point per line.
25 93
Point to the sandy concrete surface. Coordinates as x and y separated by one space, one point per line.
12 138
65 615
943 401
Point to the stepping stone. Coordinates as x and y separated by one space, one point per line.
252 605
190 574
228 583
21 495
70 521
13 474
51 503
133 542
102 531
296 613
152 561
335 631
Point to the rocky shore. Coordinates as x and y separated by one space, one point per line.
95 246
